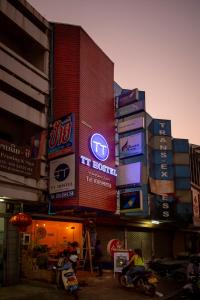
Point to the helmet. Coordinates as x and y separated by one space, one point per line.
73 258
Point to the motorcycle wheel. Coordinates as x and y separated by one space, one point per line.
149 289
122 280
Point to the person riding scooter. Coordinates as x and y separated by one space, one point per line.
135 265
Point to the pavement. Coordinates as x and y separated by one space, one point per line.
91 288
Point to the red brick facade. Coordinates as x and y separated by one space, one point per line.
83 84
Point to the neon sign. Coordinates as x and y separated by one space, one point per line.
99 147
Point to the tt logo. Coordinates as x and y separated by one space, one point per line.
99 147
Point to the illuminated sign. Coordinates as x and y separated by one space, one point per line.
129 174
97 165
131 145
99 147
131 201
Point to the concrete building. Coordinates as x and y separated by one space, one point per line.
25 82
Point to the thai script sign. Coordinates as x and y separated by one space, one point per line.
17 159
61 137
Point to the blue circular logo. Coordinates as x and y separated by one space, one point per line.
99 147
61 172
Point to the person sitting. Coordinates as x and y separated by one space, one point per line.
135 264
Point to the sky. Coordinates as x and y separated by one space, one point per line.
154 45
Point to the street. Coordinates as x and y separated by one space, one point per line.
93 288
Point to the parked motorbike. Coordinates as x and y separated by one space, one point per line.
191 290
68 276
145 281
169 269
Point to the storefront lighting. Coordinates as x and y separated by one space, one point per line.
67 227
37 225
2 200
44 225
155 222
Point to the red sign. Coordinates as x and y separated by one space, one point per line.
114 245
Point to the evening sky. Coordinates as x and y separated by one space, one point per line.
155 46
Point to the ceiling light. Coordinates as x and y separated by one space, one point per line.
155 222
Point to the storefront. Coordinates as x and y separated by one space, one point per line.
44 242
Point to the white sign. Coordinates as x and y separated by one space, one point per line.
130 124
62 174
131 145
121 259
129 174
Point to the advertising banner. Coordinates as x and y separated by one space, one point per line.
182 183
161 143
17 159
184 196
61 137
161 186
160 127
131 145
180 145
162 172
162 210
159 157
181 158
62 177
131 108
121 259
129 174
181 170
130 124
128 98
131 201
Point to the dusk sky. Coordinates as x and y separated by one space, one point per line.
154 45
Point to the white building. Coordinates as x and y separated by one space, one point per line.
24 104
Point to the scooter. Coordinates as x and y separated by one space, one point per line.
143 280
68 276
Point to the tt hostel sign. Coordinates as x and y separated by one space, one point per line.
100 150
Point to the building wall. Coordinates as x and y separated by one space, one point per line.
83 85
24 52
96 116
24 95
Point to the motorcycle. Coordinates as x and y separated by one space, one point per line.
174 270
191 290
68 276
143 280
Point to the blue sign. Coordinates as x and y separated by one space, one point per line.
99 147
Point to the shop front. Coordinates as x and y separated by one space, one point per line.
44 242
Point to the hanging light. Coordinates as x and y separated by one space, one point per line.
21 220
